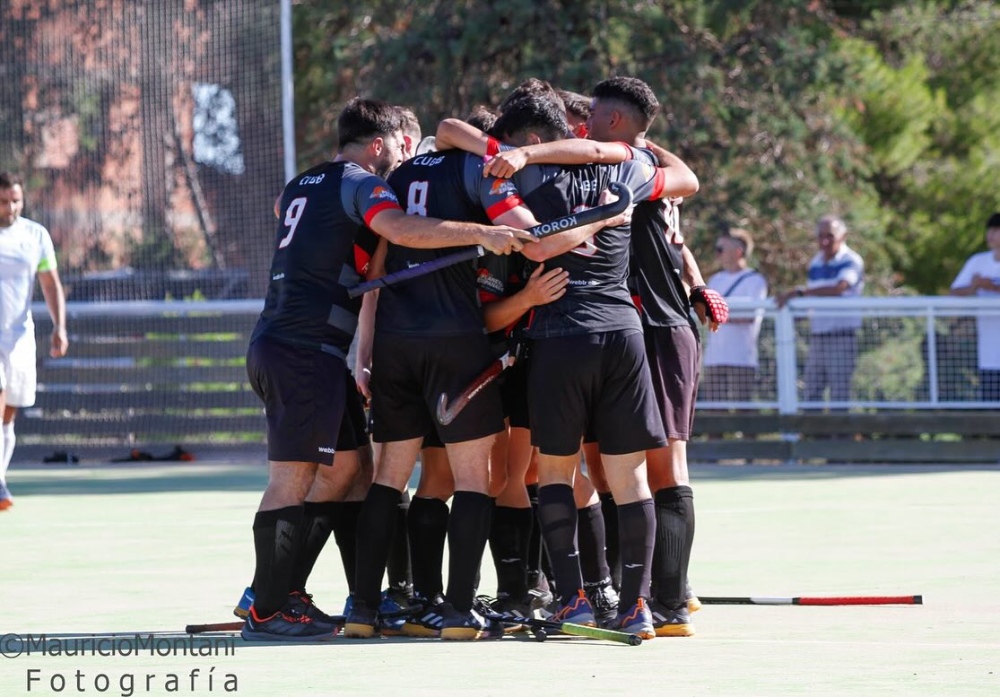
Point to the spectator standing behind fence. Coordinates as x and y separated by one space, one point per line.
836 271
730 363
981 277
25 252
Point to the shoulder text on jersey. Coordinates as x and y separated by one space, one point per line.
311 180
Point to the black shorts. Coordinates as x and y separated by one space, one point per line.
597 380
354 426
674 360
409 373
304 392
514 394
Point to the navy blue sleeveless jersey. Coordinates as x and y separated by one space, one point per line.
322 248
447 185
657 267
597 298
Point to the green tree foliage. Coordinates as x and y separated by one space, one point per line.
879 111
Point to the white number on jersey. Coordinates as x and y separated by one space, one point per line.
292 217
416 199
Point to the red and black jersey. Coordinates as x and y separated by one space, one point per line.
597 298
322 248
446 185
657 266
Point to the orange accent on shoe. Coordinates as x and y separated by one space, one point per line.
5 504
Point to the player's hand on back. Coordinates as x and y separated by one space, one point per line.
544 288
504 164
623 218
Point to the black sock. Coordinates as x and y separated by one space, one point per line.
276 541
427 527
468 528
557 514
674 538
508 545
538 556
375 528
317 524
398 567
637 530
590 533
609 510
345 532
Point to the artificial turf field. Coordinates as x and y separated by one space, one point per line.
141 548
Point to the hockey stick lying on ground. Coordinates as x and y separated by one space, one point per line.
804 600
567 222
337 620
417 271
446 412
541 628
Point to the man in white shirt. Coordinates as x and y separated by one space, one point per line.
836 271
25 252
730 363
981 277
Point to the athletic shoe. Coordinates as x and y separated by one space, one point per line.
302 603
362 623
577 611
426 622
667 622
540 592
6 500
393 610
693 603
637 620
605 603
285 626
508 608
461 626
242 609
348 605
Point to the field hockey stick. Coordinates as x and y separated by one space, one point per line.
541 628
806 600
586 217
446 412
417 271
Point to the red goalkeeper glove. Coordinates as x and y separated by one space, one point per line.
716 308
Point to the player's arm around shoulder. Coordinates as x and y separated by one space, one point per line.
673 176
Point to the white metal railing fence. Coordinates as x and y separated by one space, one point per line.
916 352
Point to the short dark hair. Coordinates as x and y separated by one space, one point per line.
364 119
632 92
8 180
575 103
537 114
994 221
532 87
482 118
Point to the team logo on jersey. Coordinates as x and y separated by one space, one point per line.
648 170
487 281
382 192
502 187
